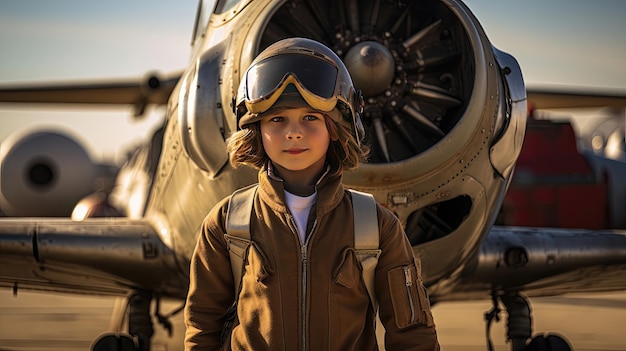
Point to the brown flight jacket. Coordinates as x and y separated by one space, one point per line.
307 296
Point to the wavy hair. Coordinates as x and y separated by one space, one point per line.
245 147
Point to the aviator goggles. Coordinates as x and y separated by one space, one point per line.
315 78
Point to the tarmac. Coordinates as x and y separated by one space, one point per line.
45 321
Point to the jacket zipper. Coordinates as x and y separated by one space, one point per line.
304 258
409 282
304 292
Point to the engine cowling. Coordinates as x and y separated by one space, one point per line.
43 173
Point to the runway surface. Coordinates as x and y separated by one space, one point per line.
44 321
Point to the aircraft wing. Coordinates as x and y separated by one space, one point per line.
97 256
138 92
155 90
544 262
546 98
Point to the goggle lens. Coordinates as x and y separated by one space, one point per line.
316 75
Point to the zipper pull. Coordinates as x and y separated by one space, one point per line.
407 276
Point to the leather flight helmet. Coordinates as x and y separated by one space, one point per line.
304 67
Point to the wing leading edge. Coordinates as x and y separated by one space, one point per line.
136 92
548 98
545 262
97 256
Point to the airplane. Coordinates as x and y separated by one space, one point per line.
445 113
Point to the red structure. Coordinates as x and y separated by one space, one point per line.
553 184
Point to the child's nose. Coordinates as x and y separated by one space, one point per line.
294 135
294 131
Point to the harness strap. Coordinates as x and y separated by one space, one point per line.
366 239
238 230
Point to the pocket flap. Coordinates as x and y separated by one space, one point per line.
348 271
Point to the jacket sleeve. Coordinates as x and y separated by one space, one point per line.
211 289
404 306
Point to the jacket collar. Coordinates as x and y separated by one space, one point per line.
329 190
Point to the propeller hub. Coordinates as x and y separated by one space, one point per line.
371 66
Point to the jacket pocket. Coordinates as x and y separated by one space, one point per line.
349 313
248 258
408 296
348 272
258 263
256 295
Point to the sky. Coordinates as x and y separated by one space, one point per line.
557 43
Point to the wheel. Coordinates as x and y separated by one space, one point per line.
548 342
114 341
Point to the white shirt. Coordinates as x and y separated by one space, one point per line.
300 207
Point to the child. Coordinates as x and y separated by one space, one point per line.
301 288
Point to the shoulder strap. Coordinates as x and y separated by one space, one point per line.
238 229
366 238
239 212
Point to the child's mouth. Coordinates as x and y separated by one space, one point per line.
295 151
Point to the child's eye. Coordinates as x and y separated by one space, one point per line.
277 119
311 117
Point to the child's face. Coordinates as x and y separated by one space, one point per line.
296 138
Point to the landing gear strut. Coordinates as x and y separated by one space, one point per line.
136 308
519 325
139 320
